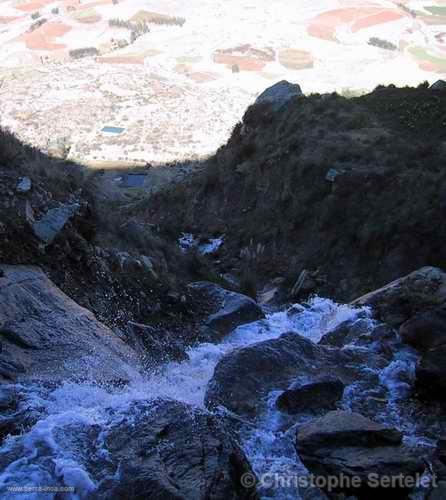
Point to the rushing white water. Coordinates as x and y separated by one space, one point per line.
47 453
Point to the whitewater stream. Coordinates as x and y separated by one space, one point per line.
61 413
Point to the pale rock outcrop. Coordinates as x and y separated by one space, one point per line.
46 335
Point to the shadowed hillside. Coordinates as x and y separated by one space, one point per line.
109 262
351 190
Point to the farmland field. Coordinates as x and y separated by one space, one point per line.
157 68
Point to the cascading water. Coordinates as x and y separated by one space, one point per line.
49 451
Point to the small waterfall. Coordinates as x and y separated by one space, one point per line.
51 452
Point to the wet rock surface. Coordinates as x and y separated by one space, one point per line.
431 373
243 378
231 309
321 395
176 451
151 449
44 334
347 443
425 330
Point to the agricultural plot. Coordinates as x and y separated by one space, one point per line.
178 75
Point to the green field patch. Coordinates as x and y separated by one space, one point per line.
422 54
436 10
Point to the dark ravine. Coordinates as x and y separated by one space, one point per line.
131 367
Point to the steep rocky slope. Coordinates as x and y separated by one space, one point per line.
351 190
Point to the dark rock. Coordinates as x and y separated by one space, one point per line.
345 444
231 309
172 450
153 344
319 395
343 428
438 492
441 450
400 300
425 330
431 374
243 379
360 331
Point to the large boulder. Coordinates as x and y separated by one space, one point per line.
175 451
431 374
243 379
230 309
322 394
398 301
46 335
425 330
134 450
279 94
343 444
361 332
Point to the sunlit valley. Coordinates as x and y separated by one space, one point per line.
222 260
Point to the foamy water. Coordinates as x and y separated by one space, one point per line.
49 452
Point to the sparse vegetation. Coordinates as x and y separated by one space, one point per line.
40 22
156 18
59 175
35 15
382 44
249 277
270 185
84 52
352 93
136 29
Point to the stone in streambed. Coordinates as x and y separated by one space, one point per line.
230 310
345 444
322 394
425 330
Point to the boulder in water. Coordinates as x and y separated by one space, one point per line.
173 450
425 330
398 301
231 309
243 379
431 374
322 394
360 331
346 445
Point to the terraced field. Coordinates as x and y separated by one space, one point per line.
177 75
